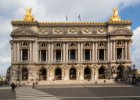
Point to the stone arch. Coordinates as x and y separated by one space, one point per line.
23 32
58 73
73 73
87 73
43 73
101 71
120 70
24 74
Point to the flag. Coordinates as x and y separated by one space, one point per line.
66 18
79 17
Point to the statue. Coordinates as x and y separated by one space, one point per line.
28 17
115 16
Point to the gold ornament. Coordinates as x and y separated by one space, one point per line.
28 17
115 16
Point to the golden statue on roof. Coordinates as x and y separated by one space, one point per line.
115 16
29 17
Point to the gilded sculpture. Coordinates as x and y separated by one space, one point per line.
29 17
115 16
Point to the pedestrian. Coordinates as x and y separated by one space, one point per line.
33 86
36 83
13 86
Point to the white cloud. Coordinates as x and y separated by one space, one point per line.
136 47
53 10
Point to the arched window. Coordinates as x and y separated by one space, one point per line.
58 74
120 72
101 73
72 74
87 73
42 74
24 74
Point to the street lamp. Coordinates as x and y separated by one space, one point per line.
134 74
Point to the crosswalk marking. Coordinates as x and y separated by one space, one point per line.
27 93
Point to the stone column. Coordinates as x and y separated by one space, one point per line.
92 73
96 73
35 52
46 55
81 53
114 50
14 52
18 53
111 50
126 50
108 50
129 50
78 52
93 52
49 52
52 57
123 54
30 52
96 51
64 52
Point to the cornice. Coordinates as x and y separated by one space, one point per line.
69 24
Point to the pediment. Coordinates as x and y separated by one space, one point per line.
121 31
23 32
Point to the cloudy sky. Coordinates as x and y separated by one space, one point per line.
56 10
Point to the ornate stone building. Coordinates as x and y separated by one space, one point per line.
70 51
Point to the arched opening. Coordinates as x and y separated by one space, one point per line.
42 74
72 74
24 74
101 73
120 72
87 73
58 74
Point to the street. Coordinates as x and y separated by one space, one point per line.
72 92
7 94
95 93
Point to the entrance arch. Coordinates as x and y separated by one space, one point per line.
72 74
101 72
42 74
87 73
58 74
120 72
24 74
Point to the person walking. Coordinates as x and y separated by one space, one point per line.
33 86
13 86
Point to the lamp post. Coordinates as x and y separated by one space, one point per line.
134 74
